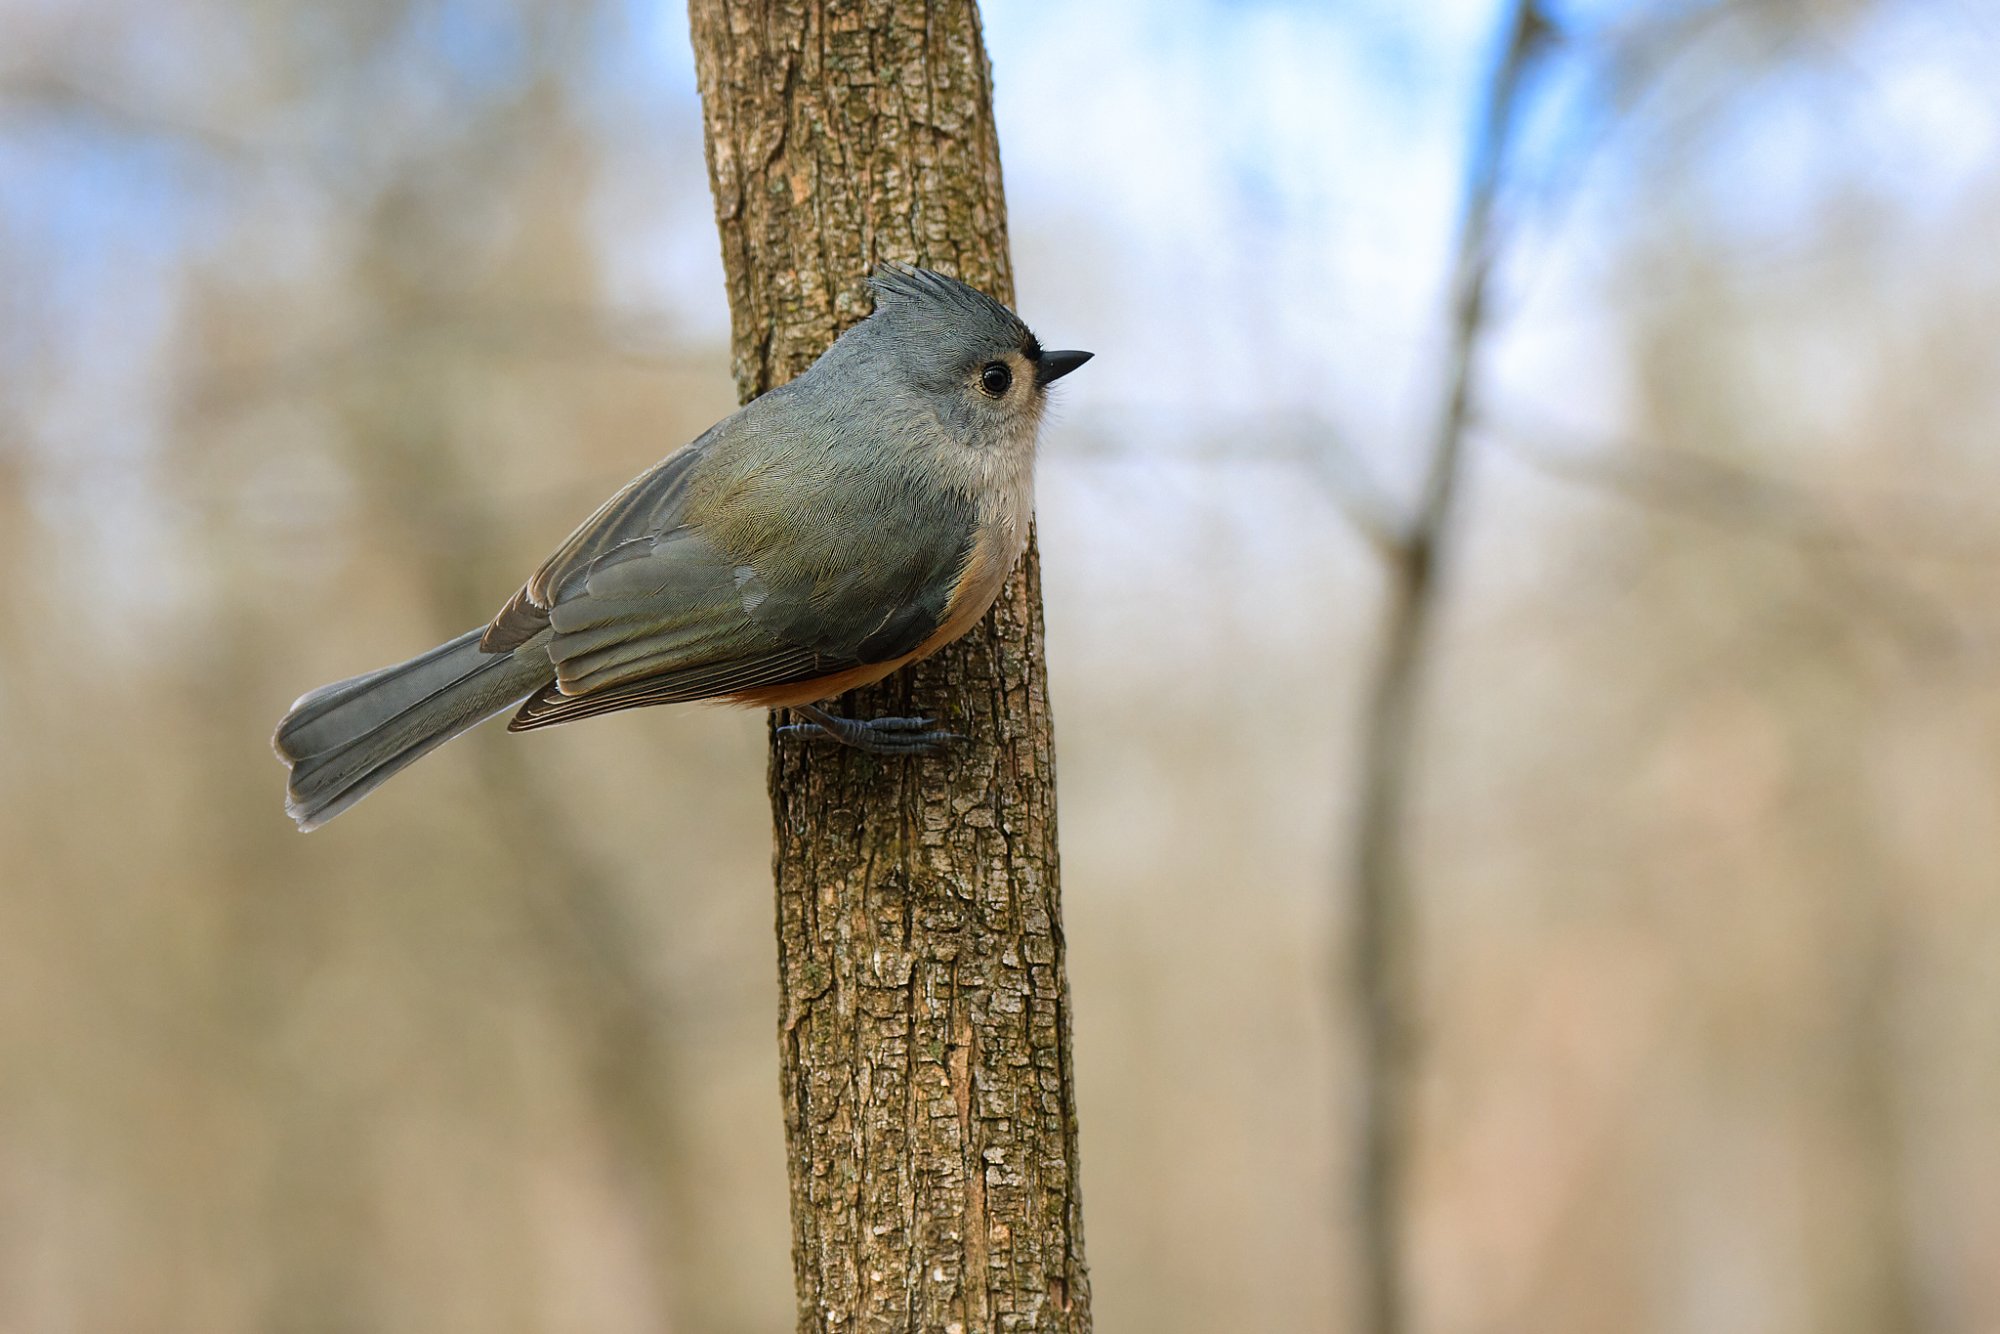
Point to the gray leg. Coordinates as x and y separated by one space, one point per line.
877 736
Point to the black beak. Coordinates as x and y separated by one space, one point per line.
1054 365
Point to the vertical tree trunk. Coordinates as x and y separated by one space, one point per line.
924 1029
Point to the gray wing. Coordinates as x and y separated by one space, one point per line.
641 511
660 622
645 608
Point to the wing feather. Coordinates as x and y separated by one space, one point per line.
551 706
640 512
643 607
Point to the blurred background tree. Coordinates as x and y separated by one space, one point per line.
320 323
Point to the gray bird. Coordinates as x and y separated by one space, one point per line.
860 517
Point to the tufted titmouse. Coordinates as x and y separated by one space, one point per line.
858 518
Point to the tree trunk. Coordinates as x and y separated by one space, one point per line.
924 1026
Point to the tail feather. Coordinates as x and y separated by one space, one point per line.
343 741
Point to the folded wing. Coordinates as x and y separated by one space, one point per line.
646 607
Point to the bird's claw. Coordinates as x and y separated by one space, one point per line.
876 736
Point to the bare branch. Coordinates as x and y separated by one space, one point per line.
42 93
1377 954
1734 495
1311 444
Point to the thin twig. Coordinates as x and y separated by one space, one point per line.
1377 951
1734 495
1305 441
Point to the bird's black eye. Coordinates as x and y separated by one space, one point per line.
996 378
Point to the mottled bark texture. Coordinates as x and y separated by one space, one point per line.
924 1029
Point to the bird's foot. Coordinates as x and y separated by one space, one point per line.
877 736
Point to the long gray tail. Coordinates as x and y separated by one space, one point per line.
343 741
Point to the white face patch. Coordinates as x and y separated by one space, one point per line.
1000 473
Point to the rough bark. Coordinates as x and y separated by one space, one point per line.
924 1026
